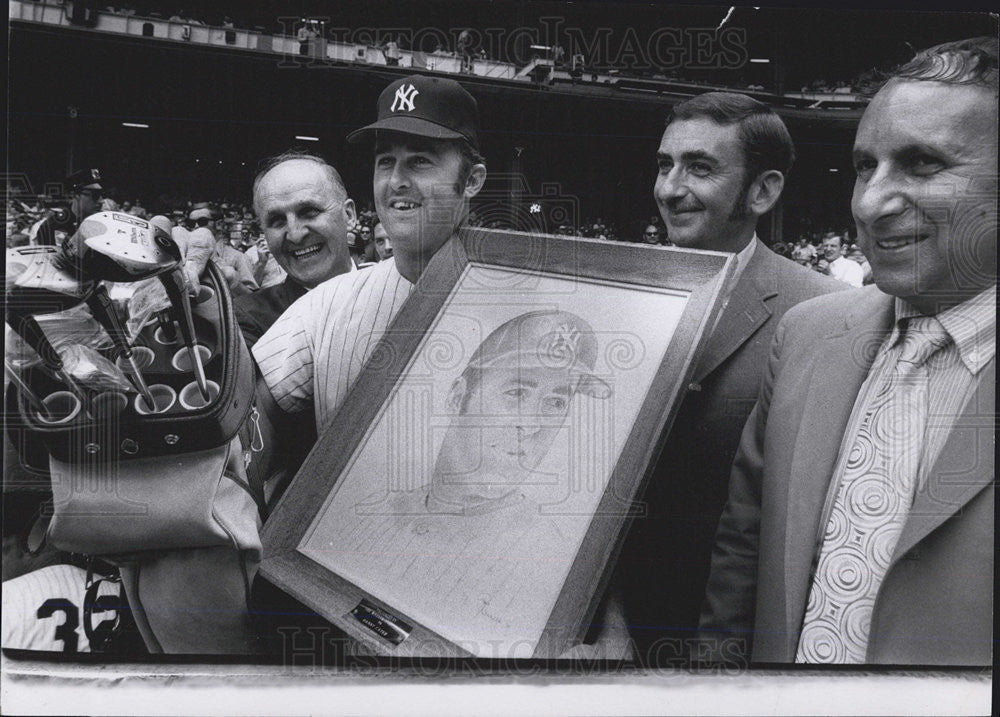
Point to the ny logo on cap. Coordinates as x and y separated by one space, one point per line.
404 98
563 342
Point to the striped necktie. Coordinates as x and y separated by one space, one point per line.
871 504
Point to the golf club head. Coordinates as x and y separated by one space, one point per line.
112 246
36 282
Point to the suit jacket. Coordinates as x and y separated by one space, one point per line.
935 603
664 563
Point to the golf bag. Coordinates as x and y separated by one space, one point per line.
169 494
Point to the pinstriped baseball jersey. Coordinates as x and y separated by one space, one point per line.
315 351
43 609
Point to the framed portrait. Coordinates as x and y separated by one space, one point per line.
469 496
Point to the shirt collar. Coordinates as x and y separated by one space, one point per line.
972 325
743 257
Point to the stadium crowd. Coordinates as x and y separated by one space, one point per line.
826 253
235 225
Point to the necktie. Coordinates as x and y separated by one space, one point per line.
871 504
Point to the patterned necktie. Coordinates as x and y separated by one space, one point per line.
871 505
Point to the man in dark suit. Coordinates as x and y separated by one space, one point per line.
859 525
722 165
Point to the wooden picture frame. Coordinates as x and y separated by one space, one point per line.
664 300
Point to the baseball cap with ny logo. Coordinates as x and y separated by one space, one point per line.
427 106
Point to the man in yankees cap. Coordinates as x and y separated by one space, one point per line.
427 168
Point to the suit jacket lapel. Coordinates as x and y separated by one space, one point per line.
745 312
839 368
970 447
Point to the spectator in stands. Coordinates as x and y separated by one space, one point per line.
365 238
266 270
234 234
355 247
390 50
463 48
651 235
559 56
837 265
781 249
306 34
383 244
85 199
234 264
804 253
858 257
367 216
595 229
306 214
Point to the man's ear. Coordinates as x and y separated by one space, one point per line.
350 213
765 191
477 177
457 394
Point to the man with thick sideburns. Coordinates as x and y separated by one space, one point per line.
722 161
